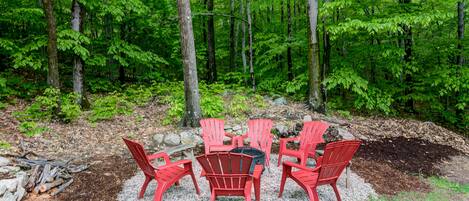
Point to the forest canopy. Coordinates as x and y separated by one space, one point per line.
372 57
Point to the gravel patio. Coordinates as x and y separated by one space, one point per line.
357 191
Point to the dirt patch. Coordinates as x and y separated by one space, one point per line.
456 169
102 181
386 179
414 156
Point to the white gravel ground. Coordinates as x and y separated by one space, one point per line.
270 184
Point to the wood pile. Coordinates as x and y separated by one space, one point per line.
48 176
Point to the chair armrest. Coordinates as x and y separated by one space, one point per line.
257 171
177 163
291 164
319 161
163 155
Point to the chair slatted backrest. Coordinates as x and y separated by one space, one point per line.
213 131
337 156
312 133
225 170
138 153
259 133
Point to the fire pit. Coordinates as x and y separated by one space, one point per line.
258 156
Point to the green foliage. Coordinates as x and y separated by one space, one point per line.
45 107
101 85
31 129
139 95
238 106
4 145
107 107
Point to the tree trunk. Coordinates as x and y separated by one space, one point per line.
251 67
409 105
211 63
232 36
289 29
122 77
460 57
243 42
78 76
326 58
53 71
192 113
315 97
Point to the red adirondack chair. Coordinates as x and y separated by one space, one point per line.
260 136
309 137
213 132
165 175
337 156
228 174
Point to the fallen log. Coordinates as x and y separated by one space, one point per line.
62 187
47 186
32 179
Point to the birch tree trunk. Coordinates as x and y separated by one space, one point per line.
314 68
53 70
192 113
78 77
211 62
243 42
251 67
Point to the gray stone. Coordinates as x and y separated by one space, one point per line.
8 196
187 137
4 161
22 178
307 118
8 169
281 129
10 184
345 134
172 139
3 189
237 128
198 140
20 193
280 101
158 138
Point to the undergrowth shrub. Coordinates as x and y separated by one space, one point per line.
107 107
31 128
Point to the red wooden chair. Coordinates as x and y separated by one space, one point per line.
213 132
228 174
309 137
165 175
260 136
337 156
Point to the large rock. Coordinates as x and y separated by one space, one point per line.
172 139
8 196
280 101
307 118
158 138
10 184
198 140
345 134
187 137
3 189
281 129
4 161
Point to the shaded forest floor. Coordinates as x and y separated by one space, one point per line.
396 154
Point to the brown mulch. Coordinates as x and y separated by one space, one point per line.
386 179
413 156
102 181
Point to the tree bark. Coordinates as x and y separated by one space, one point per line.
326 57
289 56
243 42
78 76
211 63
314 98
251 67
409 105
193 112
232 36
53 71
460 57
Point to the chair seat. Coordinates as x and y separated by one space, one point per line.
307 178
221 147
170 173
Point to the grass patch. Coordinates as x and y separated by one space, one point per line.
4 145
